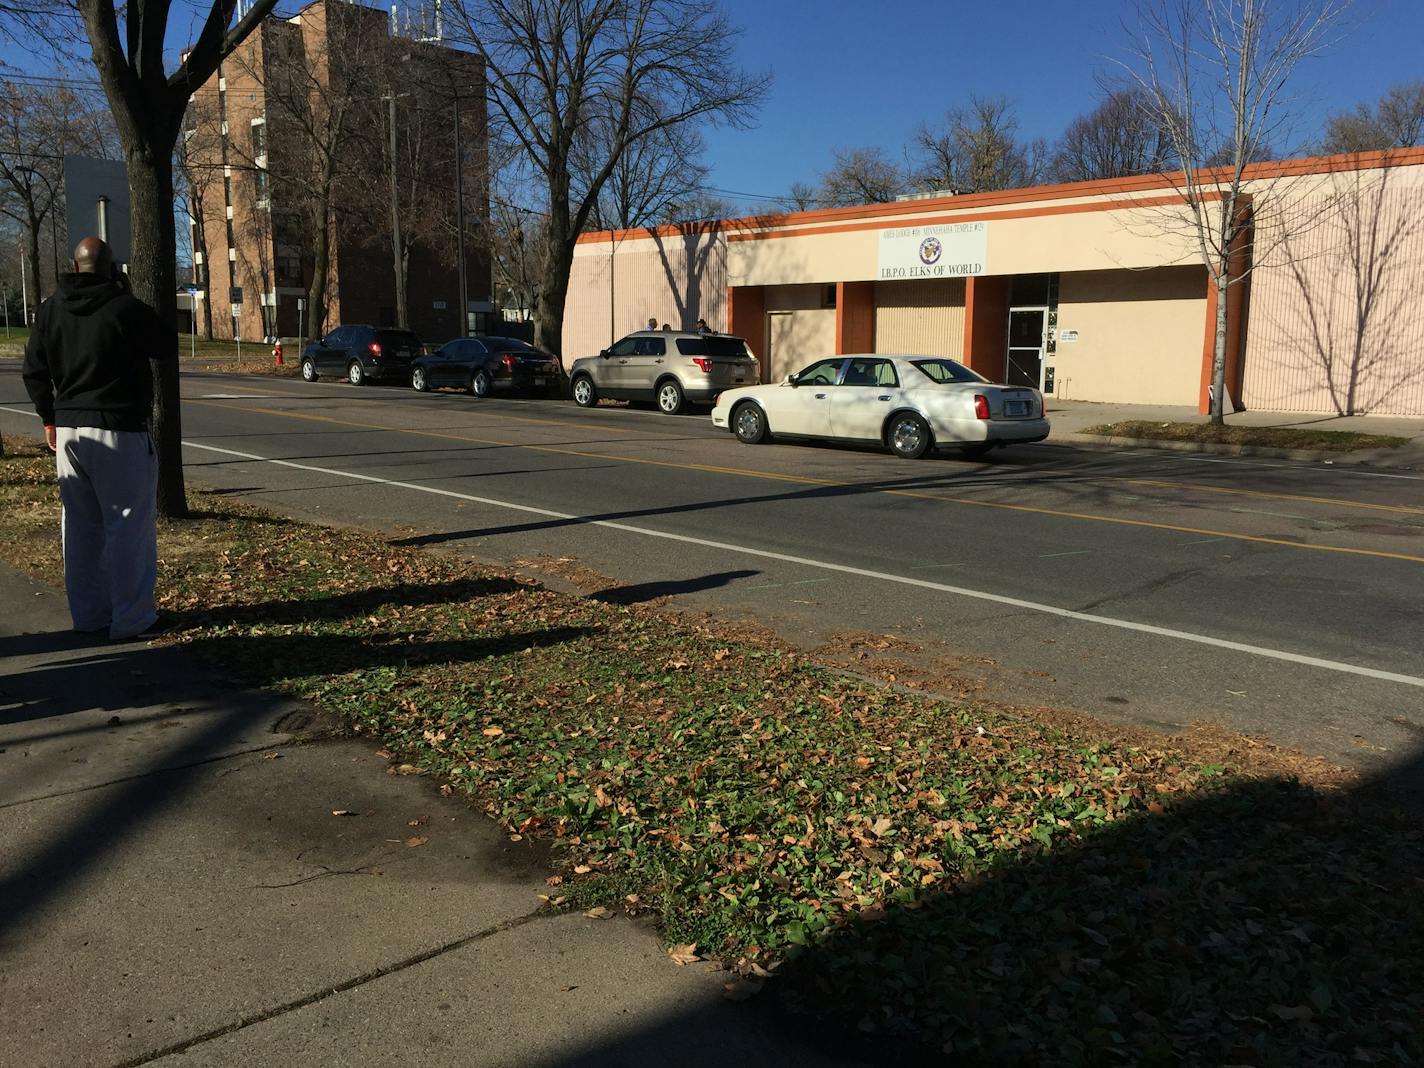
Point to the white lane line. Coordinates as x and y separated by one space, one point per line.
826 565
1071 552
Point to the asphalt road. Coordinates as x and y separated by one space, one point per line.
1277 598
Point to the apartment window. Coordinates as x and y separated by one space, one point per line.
288 270
259 139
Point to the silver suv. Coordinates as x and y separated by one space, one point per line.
674 369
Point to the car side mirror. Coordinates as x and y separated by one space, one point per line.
603 354
791 381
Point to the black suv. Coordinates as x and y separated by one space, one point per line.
362 354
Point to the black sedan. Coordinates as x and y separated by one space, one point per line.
485 365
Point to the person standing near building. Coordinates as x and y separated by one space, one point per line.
703 328
652 324
88 371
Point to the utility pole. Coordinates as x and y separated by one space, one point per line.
24 291
396 245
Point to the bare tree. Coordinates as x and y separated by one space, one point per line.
38 125
801 197
700 206
860 176
1118 138
1353 281
976 150
1215 74
1396 121
199 182
129 42
637 67
648 180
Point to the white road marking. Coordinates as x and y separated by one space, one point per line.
826 565
233 396
1071 552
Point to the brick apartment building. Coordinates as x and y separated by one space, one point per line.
256 154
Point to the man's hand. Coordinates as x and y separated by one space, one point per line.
50 439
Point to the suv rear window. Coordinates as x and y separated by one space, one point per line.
712 346
397 339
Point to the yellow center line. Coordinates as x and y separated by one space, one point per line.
493 415
1338 501
810 481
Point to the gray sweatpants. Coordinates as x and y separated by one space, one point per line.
108 485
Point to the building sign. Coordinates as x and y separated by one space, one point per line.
941 250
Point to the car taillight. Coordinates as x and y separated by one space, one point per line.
375 348
1042 404
981 406
704 364
508 359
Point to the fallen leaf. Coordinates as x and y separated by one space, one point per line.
741 989
632 899
582 869
446 790
342 812
419 821
407 769
683 955
416 840
598 912
492 732
384 754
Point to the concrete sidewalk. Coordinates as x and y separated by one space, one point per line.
175 889
1070 418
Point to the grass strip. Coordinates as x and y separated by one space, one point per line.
930 873
1235 434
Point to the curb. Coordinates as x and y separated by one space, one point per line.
1382 457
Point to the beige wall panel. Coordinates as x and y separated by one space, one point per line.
676 280
1083 241
798 329
920 317
1139 335
1335 311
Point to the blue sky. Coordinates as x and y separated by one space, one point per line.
849 73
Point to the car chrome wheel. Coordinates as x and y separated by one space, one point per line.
749 424
308 371
417 379
909 436
670 397
356 374
585 396
480 384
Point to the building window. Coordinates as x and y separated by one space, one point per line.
259 139
828 296
288 270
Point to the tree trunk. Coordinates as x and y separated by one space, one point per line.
1218 361
557 261
32 255
153 275
321 255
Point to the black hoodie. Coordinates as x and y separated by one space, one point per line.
87 363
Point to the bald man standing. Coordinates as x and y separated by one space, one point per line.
87 369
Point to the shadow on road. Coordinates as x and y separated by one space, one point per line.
650 591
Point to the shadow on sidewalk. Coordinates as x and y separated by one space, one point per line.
1263 923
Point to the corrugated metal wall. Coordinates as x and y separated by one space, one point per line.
1337 309
920 317
676 280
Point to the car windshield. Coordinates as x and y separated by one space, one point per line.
943 371
507 344
712 346
397 339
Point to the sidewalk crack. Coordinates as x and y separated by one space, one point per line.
244 1022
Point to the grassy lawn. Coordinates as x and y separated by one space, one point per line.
937 877
1266 436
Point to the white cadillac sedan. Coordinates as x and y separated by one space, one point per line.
909 404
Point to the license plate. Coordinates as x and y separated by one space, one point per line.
739 378
538 381
1016 407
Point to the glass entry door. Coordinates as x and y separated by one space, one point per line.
1028 332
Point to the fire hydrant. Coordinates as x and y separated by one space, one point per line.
277 353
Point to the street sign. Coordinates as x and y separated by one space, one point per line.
235 295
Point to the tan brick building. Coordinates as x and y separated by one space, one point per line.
258 135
